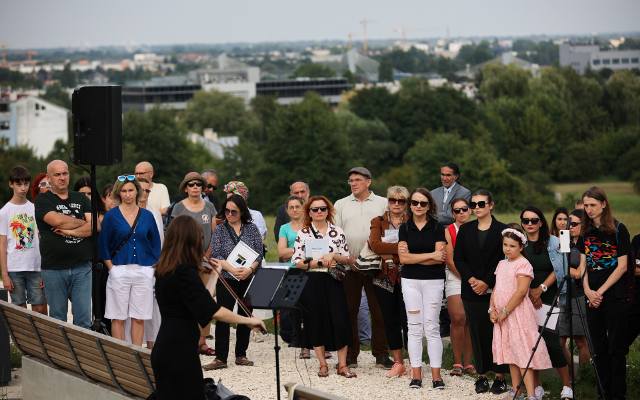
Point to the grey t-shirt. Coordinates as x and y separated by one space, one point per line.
202 217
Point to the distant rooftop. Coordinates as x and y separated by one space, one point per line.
163 81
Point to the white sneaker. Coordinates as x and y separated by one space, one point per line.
567 393
539 392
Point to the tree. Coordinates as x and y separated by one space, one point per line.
473 54
68 77
223 112
385 70
497 80
57 95
622 98
312 70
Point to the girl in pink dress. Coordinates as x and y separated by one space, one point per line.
515 331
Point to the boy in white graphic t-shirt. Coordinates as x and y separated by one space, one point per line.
19 245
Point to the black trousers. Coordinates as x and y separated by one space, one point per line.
552 341
608 325
243 332
394 316
481 332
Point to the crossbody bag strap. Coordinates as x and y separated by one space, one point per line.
131 232
232 234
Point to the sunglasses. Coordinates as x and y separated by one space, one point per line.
574 224
319 209
479 204
397 201
230 212
147 190
529 221
460 210
194 183
44 184
123 178
210 186
417 203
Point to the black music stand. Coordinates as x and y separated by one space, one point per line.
275 289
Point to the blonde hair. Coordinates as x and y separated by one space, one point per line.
401 190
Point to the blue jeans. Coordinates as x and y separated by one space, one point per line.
62 285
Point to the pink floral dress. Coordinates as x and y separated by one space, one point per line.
514 338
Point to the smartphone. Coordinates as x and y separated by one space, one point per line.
565 241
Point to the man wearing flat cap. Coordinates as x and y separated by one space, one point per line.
354 214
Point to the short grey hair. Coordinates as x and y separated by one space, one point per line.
208 172
306 185
401 190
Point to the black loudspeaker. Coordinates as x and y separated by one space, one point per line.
97 125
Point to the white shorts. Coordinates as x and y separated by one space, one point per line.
129 292
452 285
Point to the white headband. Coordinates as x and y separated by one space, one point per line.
519 234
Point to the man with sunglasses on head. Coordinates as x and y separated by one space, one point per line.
159 195
354 214
64 222
450 189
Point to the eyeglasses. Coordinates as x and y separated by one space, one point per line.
479 204
210 186
318 209
230 212
351 181
194 183
460 210
44 184
574 224
417 203
123 178
529 221
397 201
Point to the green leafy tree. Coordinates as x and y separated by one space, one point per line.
622 98
312 70
57 95
497 80
223 112
473 54
385 70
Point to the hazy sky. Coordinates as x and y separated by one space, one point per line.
49 23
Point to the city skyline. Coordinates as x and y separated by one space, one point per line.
74 23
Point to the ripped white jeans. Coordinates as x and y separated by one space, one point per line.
423 300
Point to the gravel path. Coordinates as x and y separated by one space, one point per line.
258 382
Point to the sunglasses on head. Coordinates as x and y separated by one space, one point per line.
529 221
318 209
417 203
479 204
194 183
44 184
574 224
123 178
460 210
230 212
397 201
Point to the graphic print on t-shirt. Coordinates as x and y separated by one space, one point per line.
75 212
23 229
600 255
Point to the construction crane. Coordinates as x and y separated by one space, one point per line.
365 44
4 54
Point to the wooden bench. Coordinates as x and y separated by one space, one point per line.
301 392
96 357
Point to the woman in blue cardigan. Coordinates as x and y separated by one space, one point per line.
129 246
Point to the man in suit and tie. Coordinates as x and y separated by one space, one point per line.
450 189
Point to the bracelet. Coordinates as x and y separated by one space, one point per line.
490 310
505 312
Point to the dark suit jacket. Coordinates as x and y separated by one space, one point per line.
475 261
445 216
281 218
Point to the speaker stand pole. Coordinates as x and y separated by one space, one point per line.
276 348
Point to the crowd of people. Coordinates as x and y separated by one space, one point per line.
403 255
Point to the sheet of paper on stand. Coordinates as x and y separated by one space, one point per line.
541 316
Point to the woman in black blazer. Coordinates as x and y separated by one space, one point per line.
477 253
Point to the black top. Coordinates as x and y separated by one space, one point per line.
602 251
542 267
61 252
281 218
184 304
480 262
422 241
635 246
574 262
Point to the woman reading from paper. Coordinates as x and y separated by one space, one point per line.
319 248
236 247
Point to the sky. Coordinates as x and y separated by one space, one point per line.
73 23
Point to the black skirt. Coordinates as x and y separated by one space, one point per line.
325 315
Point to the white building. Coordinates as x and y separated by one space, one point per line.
35 123
228 75
581 58
213 143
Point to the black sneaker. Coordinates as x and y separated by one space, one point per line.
352 363
415 384
499 386
482 384
438 384
384 362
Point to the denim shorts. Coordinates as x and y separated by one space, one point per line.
26 288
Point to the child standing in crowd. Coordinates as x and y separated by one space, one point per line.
19 245
515 329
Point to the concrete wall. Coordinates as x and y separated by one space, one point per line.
43 382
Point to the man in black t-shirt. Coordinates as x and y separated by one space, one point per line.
634 321
64 222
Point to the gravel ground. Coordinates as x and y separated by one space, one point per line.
258 382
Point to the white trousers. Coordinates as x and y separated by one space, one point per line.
423 300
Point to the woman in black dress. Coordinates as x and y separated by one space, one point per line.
184 305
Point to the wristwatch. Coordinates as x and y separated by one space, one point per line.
543 287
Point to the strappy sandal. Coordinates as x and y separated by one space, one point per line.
305 354
324 371
470 370
206 350
345 371
457 370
